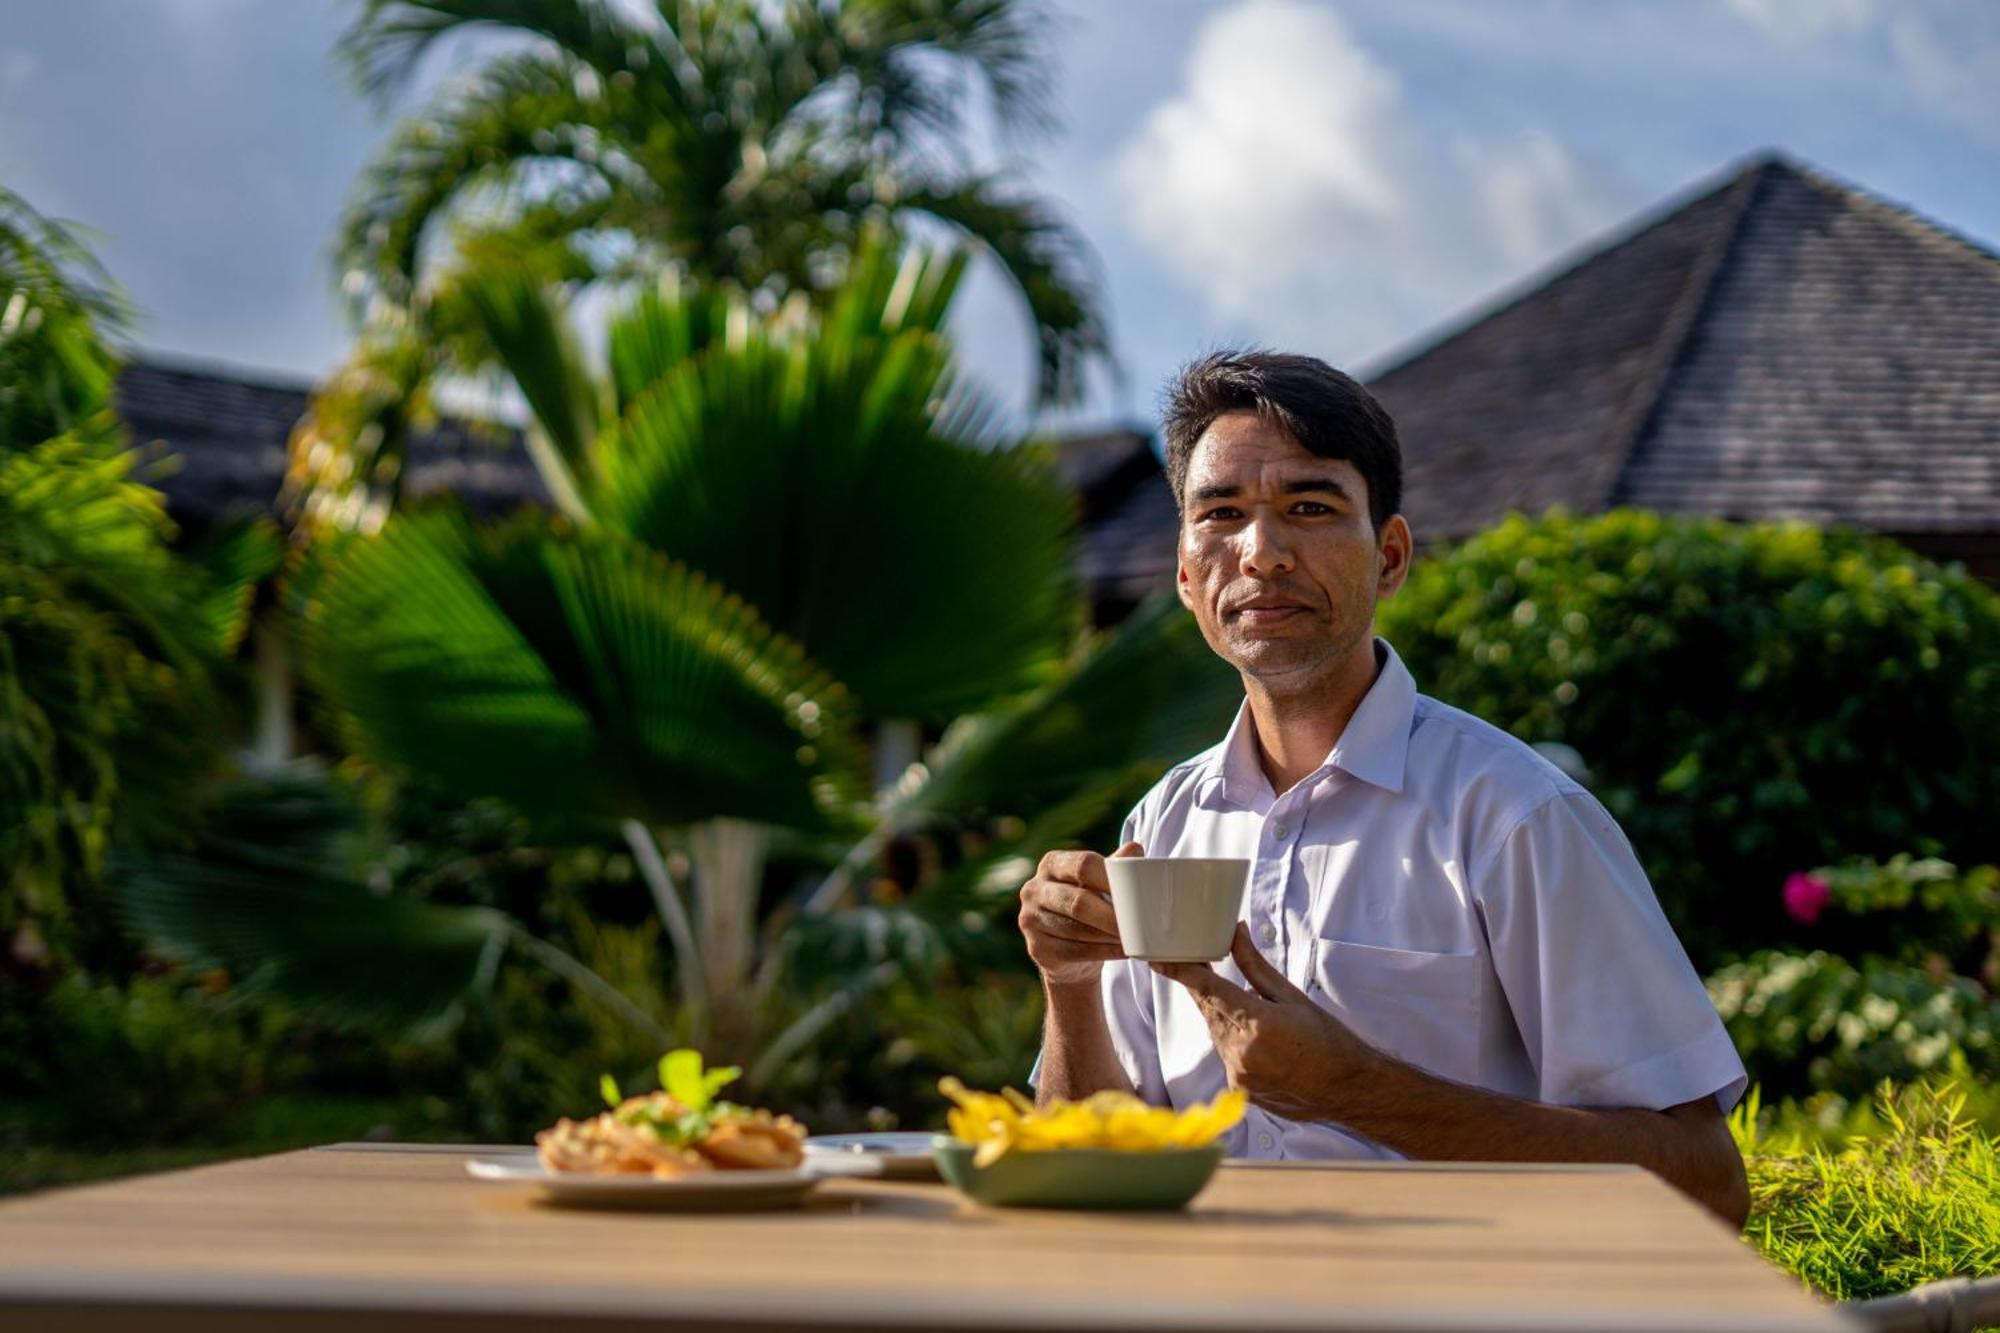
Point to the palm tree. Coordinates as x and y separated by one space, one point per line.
728 141
113 646
59 316
774 534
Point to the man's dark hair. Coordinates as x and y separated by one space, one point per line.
1328 413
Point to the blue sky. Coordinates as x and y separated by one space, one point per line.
1334 176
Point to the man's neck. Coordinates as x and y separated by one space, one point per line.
1298 728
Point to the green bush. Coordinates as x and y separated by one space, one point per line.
1923 911
1816 1022
1915 1200
159 1059
1751 700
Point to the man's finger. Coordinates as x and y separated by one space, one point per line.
1079 951
1085 868
1265 979
1130 849
1204 982
1073 900
1060 927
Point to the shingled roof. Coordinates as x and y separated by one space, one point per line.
227 430
1773 344
1778 345
1124 507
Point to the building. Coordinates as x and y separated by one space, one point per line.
1775 344
227 433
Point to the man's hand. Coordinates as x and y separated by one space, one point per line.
1066 916
1292 1057
1298 1061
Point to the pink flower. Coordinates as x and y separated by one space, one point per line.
1805 897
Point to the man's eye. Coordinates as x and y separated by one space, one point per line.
1311 507
1224 511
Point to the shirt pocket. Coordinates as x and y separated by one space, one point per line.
1421 1008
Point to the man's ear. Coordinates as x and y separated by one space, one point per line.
1182 585
1394 549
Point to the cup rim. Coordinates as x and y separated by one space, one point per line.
1179 860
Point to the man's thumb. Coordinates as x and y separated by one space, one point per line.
1130 849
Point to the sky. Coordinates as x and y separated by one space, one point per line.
1339 177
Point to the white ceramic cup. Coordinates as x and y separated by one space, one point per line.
1176 909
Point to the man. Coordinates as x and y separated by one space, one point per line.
1448 948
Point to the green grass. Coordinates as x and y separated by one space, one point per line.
1911 1196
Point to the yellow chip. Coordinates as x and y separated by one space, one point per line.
1010 1122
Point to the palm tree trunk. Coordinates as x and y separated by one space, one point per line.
899 742
680 930
728 856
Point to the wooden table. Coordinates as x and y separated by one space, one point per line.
396 1240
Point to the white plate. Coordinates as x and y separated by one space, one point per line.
902 1156
708 1191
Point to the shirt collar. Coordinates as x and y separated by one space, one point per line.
1373 747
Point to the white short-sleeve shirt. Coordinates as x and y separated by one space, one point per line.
1452 897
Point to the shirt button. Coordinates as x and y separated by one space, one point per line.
1278 831
1267 932
1266 1142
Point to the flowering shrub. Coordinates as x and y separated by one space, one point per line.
1815 1022
1921 910
1752 700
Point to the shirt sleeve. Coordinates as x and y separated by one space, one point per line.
1128 1005
1608 1006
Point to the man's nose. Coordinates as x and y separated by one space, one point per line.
1265 548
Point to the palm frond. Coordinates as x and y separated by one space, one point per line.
234 557
344 461
810 475
388 38
58 311
329 948
895 45
665 325
586 677
105 660
890 288
520 110
52 262
1046 259
1148 695
526 326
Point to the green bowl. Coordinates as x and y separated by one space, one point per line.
1079 1177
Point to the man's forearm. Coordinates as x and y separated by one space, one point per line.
1077 1055
1426 1117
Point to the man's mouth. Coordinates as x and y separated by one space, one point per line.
1270 613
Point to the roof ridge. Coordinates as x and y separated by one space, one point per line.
1634 227
1902 216
1642 402
176 363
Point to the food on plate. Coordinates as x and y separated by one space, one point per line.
680 1130
1010 1122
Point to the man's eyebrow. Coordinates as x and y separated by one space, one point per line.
1297 486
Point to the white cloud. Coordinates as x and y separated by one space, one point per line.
1289 184
1945 52
1808 17
1956 75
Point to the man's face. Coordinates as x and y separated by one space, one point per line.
1279 560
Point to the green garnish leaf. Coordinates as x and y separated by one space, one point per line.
608 1086
680 1075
